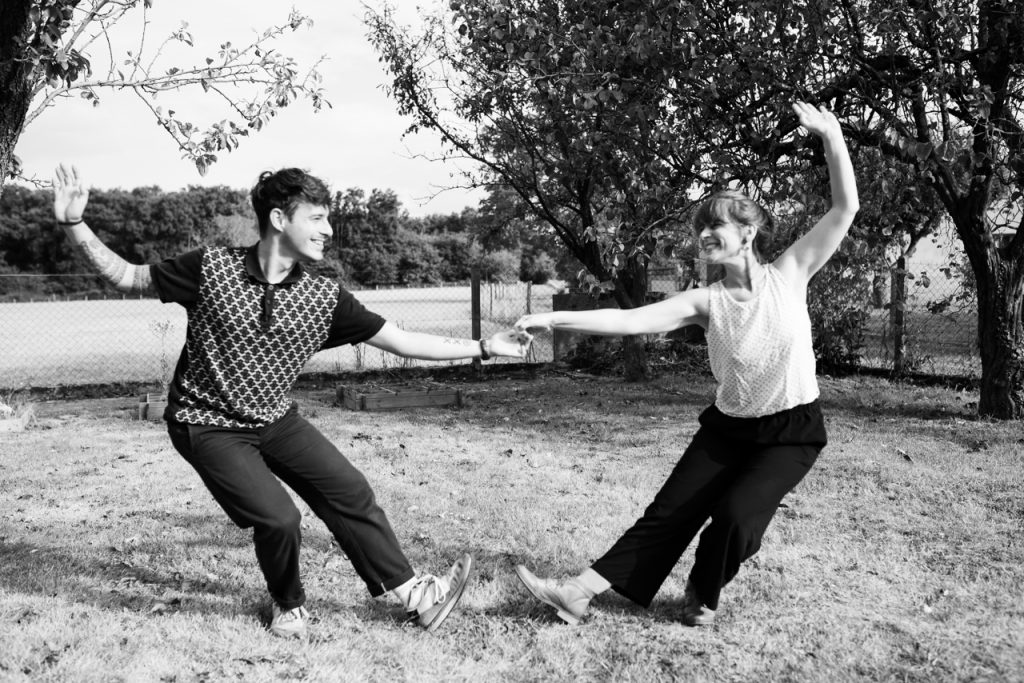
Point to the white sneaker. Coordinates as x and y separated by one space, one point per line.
432 598
289 623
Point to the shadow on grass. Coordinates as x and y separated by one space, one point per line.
855 407
957 424
126 574
107 581
520 605
104 578
211 530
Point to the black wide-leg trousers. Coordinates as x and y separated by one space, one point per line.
735 472
244 468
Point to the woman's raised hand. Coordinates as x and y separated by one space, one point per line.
819 121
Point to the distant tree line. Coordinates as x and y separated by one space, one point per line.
376 242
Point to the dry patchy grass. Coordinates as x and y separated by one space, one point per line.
898 558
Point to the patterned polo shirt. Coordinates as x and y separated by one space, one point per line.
247 340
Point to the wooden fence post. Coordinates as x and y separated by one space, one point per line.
474 305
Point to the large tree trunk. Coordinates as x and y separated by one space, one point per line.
634 360
15 81
633 281
1001 340
999 275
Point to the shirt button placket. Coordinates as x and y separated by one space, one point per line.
268 308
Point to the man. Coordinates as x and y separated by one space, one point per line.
255 316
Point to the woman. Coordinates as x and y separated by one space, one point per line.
764 430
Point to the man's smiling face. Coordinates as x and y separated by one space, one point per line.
307 232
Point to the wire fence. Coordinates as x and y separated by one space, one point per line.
96 337
939 325
53 340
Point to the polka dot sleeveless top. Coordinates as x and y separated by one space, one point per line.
760 350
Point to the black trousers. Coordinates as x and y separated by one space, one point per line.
241 468
735 472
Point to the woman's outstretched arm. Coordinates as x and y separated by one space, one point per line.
685 308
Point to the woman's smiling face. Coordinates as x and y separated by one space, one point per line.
722 240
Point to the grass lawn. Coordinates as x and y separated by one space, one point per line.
899 558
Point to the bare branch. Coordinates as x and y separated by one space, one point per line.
273 80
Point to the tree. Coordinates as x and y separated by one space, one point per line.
504 221
26 218
498 266
49 50
455 253
941 88
419 262
537 267
367 234
568 105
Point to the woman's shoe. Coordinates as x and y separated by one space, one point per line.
567 597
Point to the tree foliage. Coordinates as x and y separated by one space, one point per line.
376 242
144 225
563 103
940 87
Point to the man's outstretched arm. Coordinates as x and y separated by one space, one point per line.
70 197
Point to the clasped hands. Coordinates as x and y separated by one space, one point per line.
516 341
512 342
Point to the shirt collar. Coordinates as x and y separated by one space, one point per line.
252 266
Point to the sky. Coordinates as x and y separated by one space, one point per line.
356 143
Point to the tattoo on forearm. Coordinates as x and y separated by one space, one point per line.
458 342
113 268
142 280
107 263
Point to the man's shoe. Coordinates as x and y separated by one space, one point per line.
433 597
289 623
567 597
695 612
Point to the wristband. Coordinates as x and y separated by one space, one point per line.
483 351
68 224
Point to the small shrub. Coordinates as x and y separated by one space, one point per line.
603 355
837 302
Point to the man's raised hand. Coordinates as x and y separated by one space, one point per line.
70 195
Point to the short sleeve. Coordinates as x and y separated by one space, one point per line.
352 323
176 280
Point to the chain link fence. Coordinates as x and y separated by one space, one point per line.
938 326
97 337
101 338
